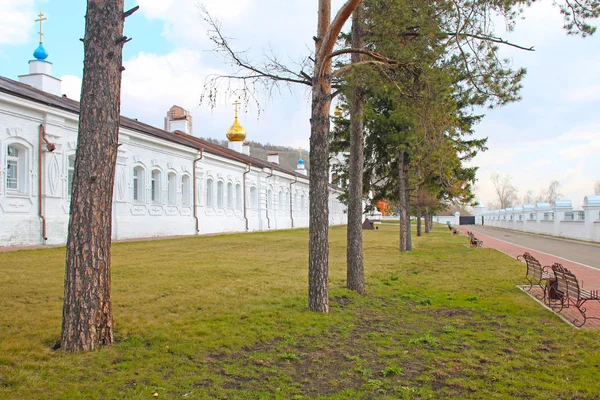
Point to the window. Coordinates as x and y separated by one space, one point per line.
270 199
253 197
16 175
155 186
302 205
138 184
287 201
238 197
295 203
280 202
229 195
569 216
532 216
70 174
185 190
209 193
172 186
220 194
581 215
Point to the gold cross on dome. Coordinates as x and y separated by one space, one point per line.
236 104
300 152
40 20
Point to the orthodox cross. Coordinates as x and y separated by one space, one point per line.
40 20
236 104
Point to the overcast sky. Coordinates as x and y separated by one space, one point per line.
552 134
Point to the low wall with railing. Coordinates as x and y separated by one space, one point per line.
557 219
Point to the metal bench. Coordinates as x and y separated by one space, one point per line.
571 293
536 275
473 241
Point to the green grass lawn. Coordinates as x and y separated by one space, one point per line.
225 317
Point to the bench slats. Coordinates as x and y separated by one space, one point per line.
572 294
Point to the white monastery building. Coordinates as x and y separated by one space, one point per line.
167 182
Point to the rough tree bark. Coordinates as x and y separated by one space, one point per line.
404 215
407 202
318 257
427 219
355 276
87 311
418 212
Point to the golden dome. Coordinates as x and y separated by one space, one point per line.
236 133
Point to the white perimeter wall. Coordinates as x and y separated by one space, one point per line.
562 221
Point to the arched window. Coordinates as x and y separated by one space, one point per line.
70 174
209 192
280 200
238 196
302 204
155 186
295 203
16 169
229 195
287 200
253 197
270 199
185 190
172 186
138 184
220 194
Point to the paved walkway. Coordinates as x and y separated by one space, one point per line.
582 259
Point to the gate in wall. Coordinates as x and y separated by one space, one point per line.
467 220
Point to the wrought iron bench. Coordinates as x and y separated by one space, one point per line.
473 241
449 227
454 232
571 293
536 274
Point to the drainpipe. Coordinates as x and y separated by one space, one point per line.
268 219
50 147
291 201
244 184
196 191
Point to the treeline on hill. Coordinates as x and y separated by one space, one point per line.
288 156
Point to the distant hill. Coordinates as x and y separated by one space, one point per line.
288 156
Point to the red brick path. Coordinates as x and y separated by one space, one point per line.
588 276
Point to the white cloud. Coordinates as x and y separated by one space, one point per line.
16 21
183 25
585 94
71 86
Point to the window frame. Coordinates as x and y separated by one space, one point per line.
172 188
209 192
20 166
139 184
185 190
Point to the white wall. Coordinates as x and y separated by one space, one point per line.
20 224
559 219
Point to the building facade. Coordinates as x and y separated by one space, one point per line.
167 182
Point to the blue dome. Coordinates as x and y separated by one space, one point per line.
40 53
300 161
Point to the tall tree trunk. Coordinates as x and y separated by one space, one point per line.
418 212
87 311
427 220
318 252
407 202
355 275
404 215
